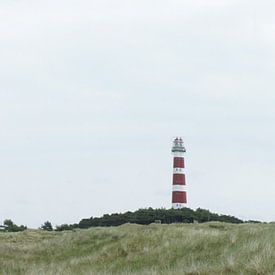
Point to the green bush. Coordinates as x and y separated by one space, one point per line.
12 227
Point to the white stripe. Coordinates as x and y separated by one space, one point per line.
178 154
178 170
178 205
179 188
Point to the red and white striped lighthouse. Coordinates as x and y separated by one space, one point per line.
179 198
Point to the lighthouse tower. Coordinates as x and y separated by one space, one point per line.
179 191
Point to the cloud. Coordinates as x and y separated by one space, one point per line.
93 91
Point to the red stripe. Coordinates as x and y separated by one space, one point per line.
178 162
179 179
179 197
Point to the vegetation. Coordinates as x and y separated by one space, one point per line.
65 226
47 226
147 216
207 248
10 226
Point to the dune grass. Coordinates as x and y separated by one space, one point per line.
210 248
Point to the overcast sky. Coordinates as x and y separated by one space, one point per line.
92 93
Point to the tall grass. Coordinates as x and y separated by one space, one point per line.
210 248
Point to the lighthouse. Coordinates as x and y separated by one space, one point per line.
179 198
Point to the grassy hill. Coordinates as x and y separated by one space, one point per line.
209 248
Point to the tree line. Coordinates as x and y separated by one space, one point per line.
10 226
141 216
150 215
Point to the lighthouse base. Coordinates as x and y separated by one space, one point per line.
178 205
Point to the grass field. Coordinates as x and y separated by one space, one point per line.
209 248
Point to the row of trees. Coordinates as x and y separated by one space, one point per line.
10 226
150 215
141 216
48 226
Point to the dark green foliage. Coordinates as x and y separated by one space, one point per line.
150 215
253 221
12 227
65 226
47 226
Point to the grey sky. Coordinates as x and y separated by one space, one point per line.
91 93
